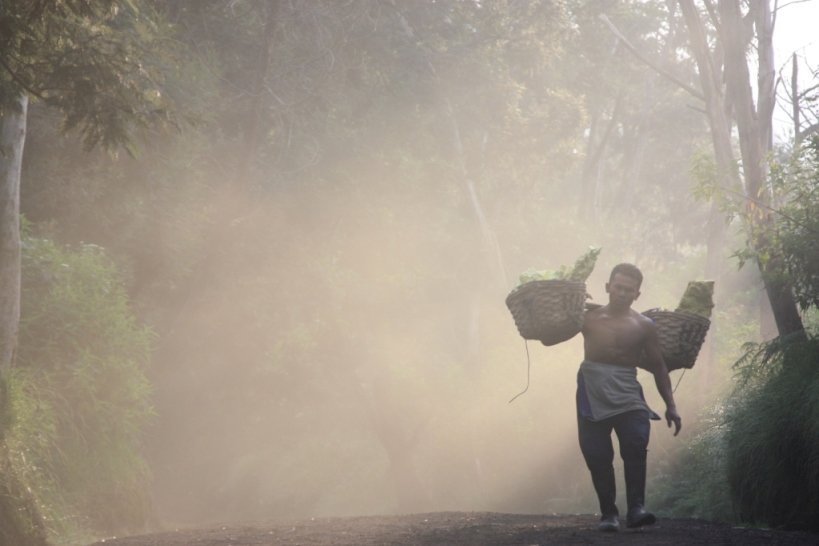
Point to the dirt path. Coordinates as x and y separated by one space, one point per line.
466 528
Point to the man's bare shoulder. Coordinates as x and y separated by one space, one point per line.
644 321
641 317
593 315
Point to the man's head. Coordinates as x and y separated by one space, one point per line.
629 270
624 285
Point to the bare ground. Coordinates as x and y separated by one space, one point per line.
466 528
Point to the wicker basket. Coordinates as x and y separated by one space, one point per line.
548 311
681 336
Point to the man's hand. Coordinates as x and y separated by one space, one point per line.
671 415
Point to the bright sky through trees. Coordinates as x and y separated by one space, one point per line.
796 25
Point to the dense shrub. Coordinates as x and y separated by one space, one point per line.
79 395
693 482
796 181
756 456
772 436
20 520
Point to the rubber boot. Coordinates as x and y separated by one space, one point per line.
606 489
636 516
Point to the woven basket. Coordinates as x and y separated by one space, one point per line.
548 311
681 336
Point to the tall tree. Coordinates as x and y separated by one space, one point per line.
726 83
12 139
91 61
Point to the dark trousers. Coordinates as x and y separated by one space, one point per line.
632 429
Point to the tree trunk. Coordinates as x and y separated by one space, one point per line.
766 77
795 112
12 139
755 135
720 124
595 148
754 126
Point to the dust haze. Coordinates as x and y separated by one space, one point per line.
351 353
326 207
343 348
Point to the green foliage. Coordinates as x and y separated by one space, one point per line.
756 456
796 181
580 271
811 320
20 519
79 395
97 61
772 436
698 298
583 267
709 182
782 230
692 483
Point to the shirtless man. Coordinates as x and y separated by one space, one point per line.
610 398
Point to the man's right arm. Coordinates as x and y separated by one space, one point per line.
661 378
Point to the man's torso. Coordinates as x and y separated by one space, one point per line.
614 338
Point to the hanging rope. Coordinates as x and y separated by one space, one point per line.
678 381
528 365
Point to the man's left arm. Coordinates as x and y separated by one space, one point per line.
661 378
